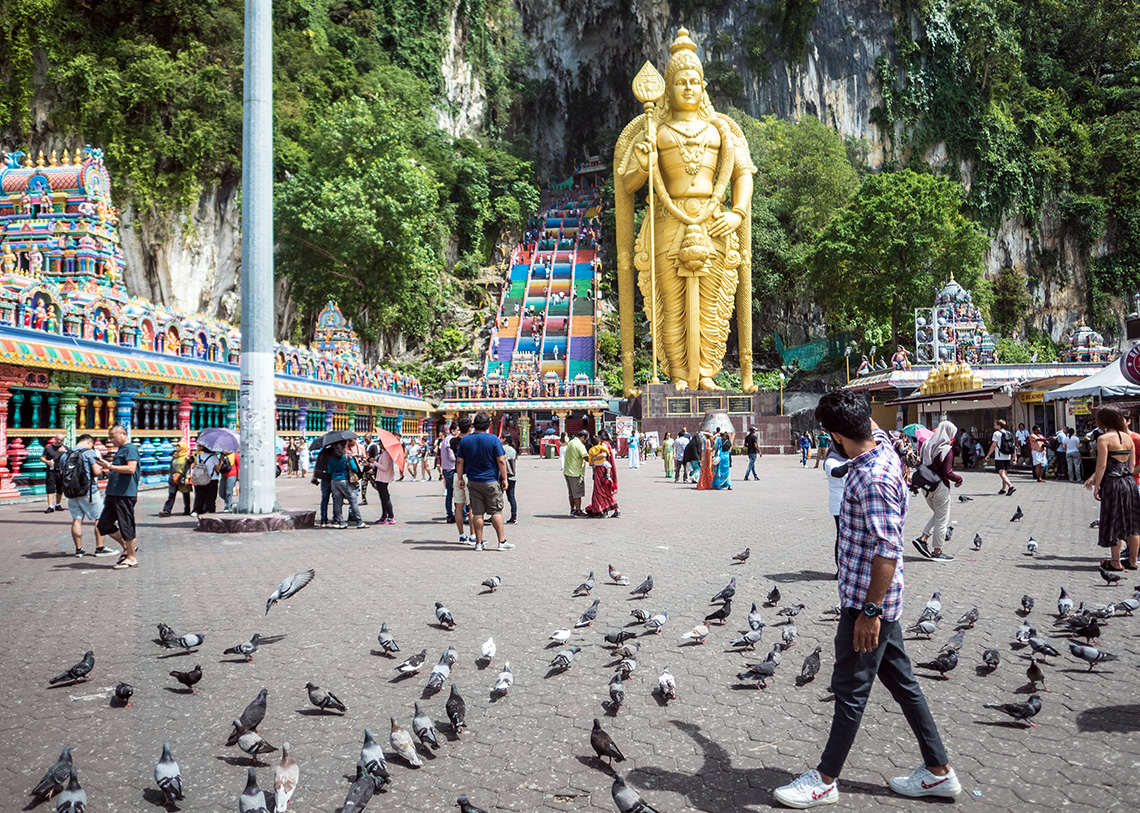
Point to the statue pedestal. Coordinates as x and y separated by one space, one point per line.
661 408
256 523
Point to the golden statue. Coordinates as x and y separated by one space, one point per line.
694 253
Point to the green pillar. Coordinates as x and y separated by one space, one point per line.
231 414
53 410
36 399
17 402
68 402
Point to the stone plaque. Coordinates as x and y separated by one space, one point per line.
678 406
709 403
740 404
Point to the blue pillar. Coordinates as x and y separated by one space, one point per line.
329 417
124 408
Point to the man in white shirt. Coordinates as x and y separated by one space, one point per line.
1072 448
1004 453
680 470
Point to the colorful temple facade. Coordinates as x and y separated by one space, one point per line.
78 353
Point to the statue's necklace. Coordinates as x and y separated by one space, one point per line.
693 140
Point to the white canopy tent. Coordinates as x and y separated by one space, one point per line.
1107 382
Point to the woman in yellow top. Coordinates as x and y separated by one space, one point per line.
178 480
604 497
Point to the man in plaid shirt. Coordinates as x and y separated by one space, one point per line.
869 640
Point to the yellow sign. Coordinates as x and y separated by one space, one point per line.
1035 397
1080 406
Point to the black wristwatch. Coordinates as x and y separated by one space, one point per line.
872 610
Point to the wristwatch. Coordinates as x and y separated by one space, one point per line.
872 610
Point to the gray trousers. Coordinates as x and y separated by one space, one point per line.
343 491
1073 460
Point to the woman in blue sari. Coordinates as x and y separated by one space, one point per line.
722 462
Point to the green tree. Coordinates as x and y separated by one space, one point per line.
897 240
1010 300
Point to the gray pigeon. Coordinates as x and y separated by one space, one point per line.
627 799
811 666
969 619
721 613
414 664
749 639
790 612
1035 674
73 798
492 582
1018 514
1129 605
1110 578
424 728
456 709
324 700
439 674
362 789
743 556
758 673
639 615
123 693
466 806
78 672
289 588
372 761
1091 655
629 649
617 691
789 634
642 590
933 607
255 712
616 638
505 680
1020 712
56 776
954 642
1064 603
443 616
774 595
603 744
991 658
1042 647
585 587
387 642
657 622
167 637
727 592
245 648
168 777
755 620
1027 604
627 666
1031 547
190 641
565 659
977 541
249 741
926 626
943 662
252 799
586 619
1024 632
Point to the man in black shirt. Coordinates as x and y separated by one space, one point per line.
752 449
52 457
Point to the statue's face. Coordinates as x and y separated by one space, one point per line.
687 89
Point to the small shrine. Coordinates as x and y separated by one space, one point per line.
950 377
1085 344
953 330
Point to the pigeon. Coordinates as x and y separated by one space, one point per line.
617 691
1095 523
249 741
387 642
604 745
658 621
954 642
565 659
443 616
73 798
1110 578
667 685
1017 515
188 679
726 593
949 532
627 666
505 680
616 576
289 588
1130 605
833 614
362 789
758 673
628 650
586 619
642 590
190 641
1020 712
372 761
1027 603
168 777
414 664
586 586
1064 603
925 627
324 700
489 649
790 612
639 615
78 672
1031 547
285 777
1024 632
627 799
439 674
721 613
167 637
932 608
991 658
1035 674
255 712
245 648
618 637
1042 647
403 745
56 775
456 710
977 541
755 620
789 635
774 655
970 618
944 662
424 729
466 806
1090 631
1106 612
811 666
1089 654
560 636
774 595
252 799
749 639
698 633
492 582
742 557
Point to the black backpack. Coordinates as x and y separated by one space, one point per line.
224 465
75 476
1005 445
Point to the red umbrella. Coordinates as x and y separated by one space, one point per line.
392 446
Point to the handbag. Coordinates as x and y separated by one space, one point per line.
353 475
923 477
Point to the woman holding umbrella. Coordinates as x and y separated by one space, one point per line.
204 476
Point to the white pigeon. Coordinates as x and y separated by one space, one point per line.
285 778
403 744
1031 546
561 636
489 649
698 633
667 685
505 680
658 621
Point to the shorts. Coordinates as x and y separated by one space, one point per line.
486 498
1001 465
86 507
118 515
54 481
1038 458
576 486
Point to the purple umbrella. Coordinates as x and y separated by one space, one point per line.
217 439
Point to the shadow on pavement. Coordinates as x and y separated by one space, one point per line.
1110 719
800 576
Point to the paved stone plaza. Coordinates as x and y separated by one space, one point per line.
720 747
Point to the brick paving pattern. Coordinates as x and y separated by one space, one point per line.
719 747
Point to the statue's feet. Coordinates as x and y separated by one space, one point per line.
708 384
749 388
681 386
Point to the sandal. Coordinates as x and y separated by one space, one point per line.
1106 564
123 565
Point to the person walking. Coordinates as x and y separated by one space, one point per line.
1039 451
869 642
937 456
1021 437
204 476
634 449
752 449
362 452
680 470
835 468
667 455
1004 453
483 460
228 465
344 479
574 470
89 505
413 458
805 448
304 457
178 480
1071 443
321 478
117 519
823 442
462 495
1113 485
447 466
54 452
291 452
512 458
383 473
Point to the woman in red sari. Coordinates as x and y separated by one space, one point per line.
708 463
604 497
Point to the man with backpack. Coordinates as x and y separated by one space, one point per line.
204 476
1004 453
78 476
52 457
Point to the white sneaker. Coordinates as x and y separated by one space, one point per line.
923 783
807 790
463 539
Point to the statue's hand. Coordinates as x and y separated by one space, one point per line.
723 223
645 152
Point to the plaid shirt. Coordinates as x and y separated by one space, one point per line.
871 524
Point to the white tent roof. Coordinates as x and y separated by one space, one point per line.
1106 382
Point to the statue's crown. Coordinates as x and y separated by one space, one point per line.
683 42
